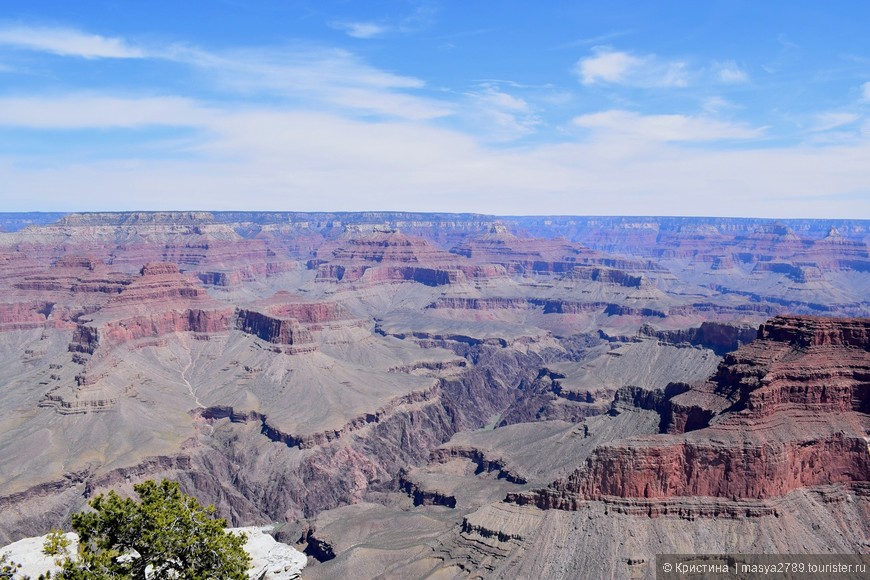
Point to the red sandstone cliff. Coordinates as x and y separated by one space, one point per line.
789 410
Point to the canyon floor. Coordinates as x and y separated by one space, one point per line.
446 395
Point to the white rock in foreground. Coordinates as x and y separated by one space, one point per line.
270 560
28 553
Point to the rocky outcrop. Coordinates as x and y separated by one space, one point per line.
315 313
692 468
88 337
484 464
786 412
285 331
621 310
717 336
159 302
808 331
386 255
23 315
422 496
83 283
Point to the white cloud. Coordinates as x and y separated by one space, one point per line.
499 116
621 124
730 73
361 29
833 119
616 67
101 112
318 77
274 160
342 134
607 66
716 104
865 92
67 42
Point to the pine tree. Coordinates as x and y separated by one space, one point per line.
167 533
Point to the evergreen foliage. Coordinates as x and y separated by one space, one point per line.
165 534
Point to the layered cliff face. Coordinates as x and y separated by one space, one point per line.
159 301
786 412
385 255
285 331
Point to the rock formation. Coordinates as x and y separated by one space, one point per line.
787 411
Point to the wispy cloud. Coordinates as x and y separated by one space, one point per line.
498 115
865 92
832 120
730 73
318 77
84 111
593 40
361 29
664 127
67 42
608 66
422 17
716 104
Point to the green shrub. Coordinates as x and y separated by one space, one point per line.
166 531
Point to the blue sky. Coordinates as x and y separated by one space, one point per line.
726 108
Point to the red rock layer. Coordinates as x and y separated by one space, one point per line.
550 256
271 329
159 302
787 411
387 256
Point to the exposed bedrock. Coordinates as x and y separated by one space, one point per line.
292 478
88 337
805 331
24 315
785 412
483 463
422 496
309 312
717 336
286 331
690 469
548 306
255 473
366 274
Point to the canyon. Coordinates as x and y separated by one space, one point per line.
446 395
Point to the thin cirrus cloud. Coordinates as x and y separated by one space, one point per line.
67 42
321 77
865 92
608 66
499 116
317 78
730 73
833 120
663 128
363 30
